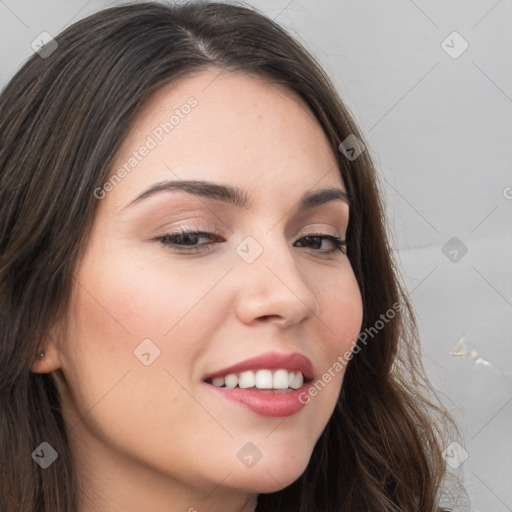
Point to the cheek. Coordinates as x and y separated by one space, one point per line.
129 298
340 320
120 398
342 316
123 310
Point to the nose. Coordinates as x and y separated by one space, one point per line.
273 289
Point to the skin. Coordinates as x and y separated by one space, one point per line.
154 438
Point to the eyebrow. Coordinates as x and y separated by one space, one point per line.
236 196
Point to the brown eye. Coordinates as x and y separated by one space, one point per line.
335 241
186 240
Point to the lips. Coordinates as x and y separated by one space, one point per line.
266 402
271 361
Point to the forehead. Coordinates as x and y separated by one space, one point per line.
229 127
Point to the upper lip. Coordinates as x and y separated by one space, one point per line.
270 360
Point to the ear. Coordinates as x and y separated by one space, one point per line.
50 360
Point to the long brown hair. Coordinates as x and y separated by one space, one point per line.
62 119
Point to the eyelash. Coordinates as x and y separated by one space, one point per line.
170 240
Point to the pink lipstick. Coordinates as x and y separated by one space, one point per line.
269 384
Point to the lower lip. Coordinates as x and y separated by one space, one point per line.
265 402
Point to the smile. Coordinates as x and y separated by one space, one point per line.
280 379
268 385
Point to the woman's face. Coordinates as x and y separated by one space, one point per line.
149 321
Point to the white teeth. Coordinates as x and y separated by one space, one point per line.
298 380
218 382
280 379
247 380
231 380
261 379
264 379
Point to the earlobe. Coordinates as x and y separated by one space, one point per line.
46 360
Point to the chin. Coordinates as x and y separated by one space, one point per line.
271 475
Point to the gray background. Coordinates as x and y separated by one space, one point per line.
439 128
